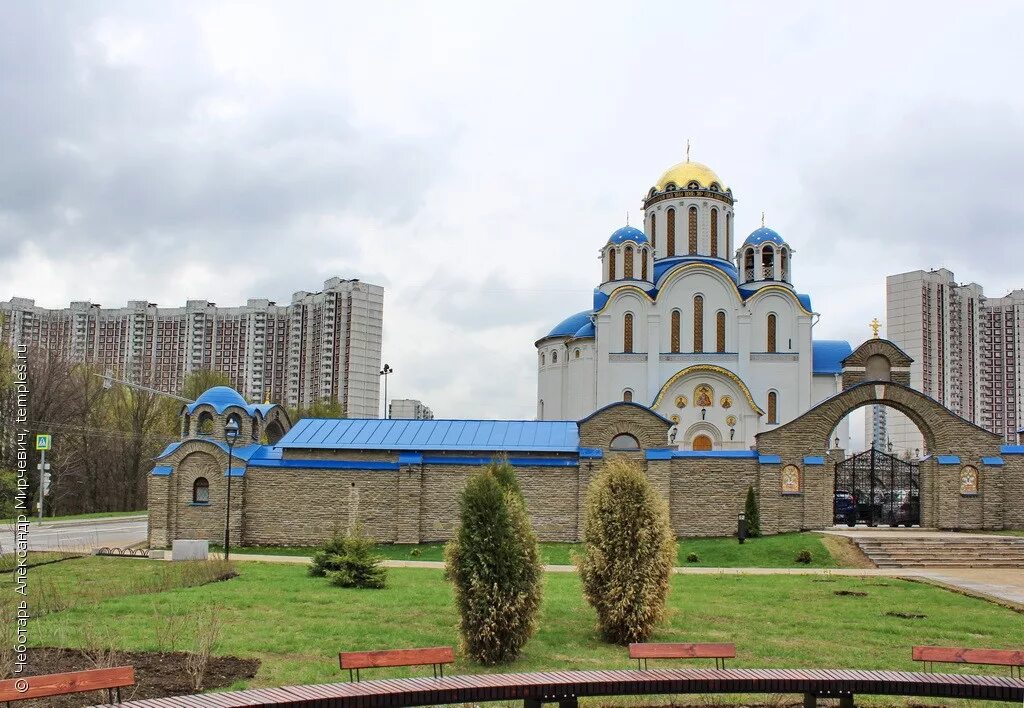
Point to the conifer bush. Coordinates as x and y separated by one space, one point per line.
628 553
494 565
753 514
348 561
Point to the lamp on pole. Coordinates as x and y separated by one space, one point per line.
231 435
385 372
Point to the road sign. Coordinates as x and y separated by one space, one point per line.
44 442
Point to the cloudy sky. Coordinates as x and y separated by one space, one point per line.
473 157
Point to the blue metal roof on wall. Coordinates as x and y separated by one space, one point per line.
828 354
483 435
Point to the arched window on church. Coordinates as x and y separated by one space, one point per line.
767 262
773 408
675 331
654 231
748 265
627 264
627 396
670 243
693 230
643 264
554 357
772 340
627 333
714 233
611 264
698 323
720 332
543 359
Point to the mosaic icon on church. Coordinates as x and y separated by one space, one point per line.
681 401
704 396
675 418
969 480
730 420
790 479
726 402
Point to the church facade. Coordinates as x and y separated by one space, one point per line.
709 334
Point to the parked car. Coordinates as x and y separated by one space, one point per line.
901 508
844 508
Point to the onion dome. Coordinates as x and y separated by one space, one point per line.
221 398
764 235
571 325
686 173
628 233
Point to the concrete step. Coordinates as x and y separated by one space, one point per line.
973 552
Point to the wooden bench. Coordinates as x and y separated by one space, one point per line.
718 652
435 656
111 680
963 655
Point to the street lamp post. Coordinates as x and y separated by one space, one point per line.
231 435
385 372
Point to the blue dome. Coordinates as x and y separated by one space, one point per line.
763 235
628 233
220 397
570 325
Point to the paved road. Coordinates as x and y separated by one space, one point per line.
78 535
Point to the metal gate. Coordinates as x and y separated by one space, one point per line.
874 488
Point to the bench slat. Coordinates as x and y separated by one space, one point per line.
646 650
396 657
71 682
962 655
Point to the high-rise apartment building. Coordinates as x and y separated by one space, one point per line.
324 345
966 350
409 408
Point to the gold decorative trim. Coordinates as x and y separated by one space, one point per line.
707 369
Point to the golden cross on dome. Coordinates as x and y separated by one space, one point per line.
627 218
266 399
875 325
687 149
762 219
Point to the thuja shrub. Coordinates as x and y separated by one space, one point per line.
348 561
628 552
494 565
752 513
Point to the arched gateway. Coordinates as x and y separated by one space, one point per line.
877 373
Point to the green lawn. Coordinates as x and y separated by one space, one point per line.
296 624
767 552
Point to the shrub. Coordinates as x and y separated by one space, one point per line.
628 552
348 561
692 558
804 556
752 514
494 565
415 553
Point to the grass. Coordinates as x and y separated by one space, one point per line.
9 561
75 517
296 624
767 552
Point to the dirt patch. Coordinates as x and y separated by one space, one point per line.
907 615
846 552
157 674
849 593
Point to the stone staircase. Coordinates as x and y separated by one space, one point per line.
943 552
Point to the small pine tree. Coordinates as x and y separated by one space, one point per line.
628 553
752 514
349 562
494 565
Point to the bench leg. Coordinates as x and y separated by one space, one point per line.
810 700
846 701
532 703
569 703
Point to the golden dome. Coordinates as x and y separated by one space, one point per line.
685 172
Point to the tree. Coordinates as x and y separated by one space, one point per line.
752 514
202 380
628 552
323 408
348 561
494 565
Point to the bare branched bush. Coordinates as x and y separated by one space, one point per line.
8 634
167 630
99 644
208 628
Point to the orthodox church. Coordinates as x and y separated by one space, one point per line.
711 335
